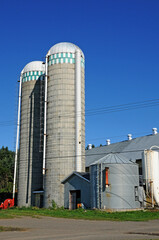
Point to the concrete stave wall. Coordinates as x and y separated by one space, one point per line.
30 159
60 150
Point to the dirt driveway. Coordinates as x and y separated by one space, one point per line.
68 229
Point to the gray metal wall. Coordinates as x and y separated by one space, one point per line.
30 160
77 183
120 194
60 146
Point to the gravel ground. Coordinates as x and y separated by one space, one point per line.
68 229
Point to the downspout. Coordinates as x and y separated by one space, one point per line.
101 186
151 180
97 189
45 112
78 161
17 138
146 170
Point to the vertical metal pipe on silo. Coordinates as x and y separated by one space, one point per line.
78 164
17 138
45 112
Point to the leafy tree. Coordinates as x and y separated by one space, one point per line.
6 169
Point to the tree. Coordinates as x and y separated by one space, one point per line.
6 169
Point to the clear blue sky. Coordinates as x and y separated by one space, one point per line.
120 40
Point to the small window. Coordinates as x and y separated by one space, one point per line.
87 169
139 162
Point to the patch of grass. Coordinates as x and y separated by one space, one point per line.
81 214
6 229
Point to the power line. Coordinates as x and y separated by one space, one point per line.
92 154
97 111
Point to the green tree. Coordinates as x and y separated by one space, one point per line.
6 169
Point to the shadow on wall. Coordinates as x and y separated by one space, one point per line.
35 146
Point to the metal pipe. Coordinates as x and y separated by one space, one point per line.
78 162
152 193
98 185
101 186
17 138
45 112
151 178
146 170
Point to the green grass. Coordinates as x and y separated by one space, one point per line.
81 214
6 229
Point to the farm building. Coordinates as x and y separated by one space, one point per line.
117 174
54 166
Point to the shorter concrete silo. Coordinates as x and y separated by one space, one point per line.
115 183
30 177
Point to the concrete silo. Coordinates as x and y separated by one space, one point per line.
65 119
31 125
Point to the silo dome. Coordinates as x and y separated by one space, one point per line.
34 65
64 47
32 71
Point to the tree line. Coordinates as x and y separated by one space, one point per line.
6 170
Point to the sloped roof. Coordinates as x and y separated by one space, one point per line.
95 154
113 158
130 149
84 175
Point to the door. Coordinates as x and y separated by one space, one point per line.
75 198
73 202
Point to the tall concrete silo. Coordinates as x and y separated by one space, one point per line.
30 160
65 118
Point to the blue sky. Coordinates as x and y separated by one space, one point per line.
120 40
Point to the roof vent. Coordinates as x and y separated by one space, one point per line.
154 131
89 146
108 142
129 137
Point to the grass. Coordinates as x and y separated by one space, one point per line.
81 214
6 229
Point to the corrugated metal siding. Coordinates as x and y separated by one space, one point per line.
120 193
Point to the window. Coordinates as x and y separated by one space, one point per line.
139 162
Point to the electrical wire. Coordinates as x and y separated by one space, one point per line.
97 111
92 154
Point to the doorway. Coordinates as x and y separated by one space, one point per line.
74 199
